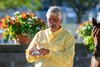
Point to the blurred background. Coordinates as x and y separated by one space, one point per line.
74 12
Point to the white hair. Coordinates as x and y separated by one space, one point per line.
55 10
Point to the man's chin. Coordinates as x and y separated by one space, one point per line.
52 29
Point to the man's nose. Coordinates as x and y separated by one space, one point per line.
50 21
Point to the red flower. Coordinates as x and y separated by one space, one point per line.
3 19
18 24
39 19
0 24
11 22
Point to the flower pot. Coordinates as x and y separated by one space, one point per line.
23 39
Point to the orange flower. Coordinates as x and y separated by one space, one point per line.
24 15
81 24
4 26
31 14
8 17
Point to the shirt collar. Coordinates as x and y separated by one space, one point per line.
56 32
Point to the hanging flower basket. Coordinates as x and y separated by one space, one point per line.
85 32
26 23
23 39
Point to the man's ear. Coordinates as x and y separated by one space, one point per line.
94 22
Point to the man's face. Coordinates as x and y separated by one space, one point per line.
53 22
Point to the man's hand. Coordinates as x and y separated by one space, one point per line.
34 52
43 52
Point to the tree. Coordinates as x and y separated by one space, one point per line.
80 6
32 4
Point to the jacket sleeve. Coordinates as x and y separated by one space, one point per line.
29 57
66 56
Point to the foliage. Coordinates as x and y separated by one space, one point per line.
22 23
81 6
84 30
32 4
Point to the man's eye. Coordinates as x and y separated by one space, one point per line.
49 19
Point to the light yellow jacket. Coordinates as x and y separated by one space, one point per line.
61 45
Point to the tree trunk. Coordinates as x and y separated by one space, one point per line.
79 16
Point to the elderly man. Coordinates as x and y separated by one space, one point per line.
52 47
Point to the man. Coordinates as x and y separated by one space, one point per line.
55 45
